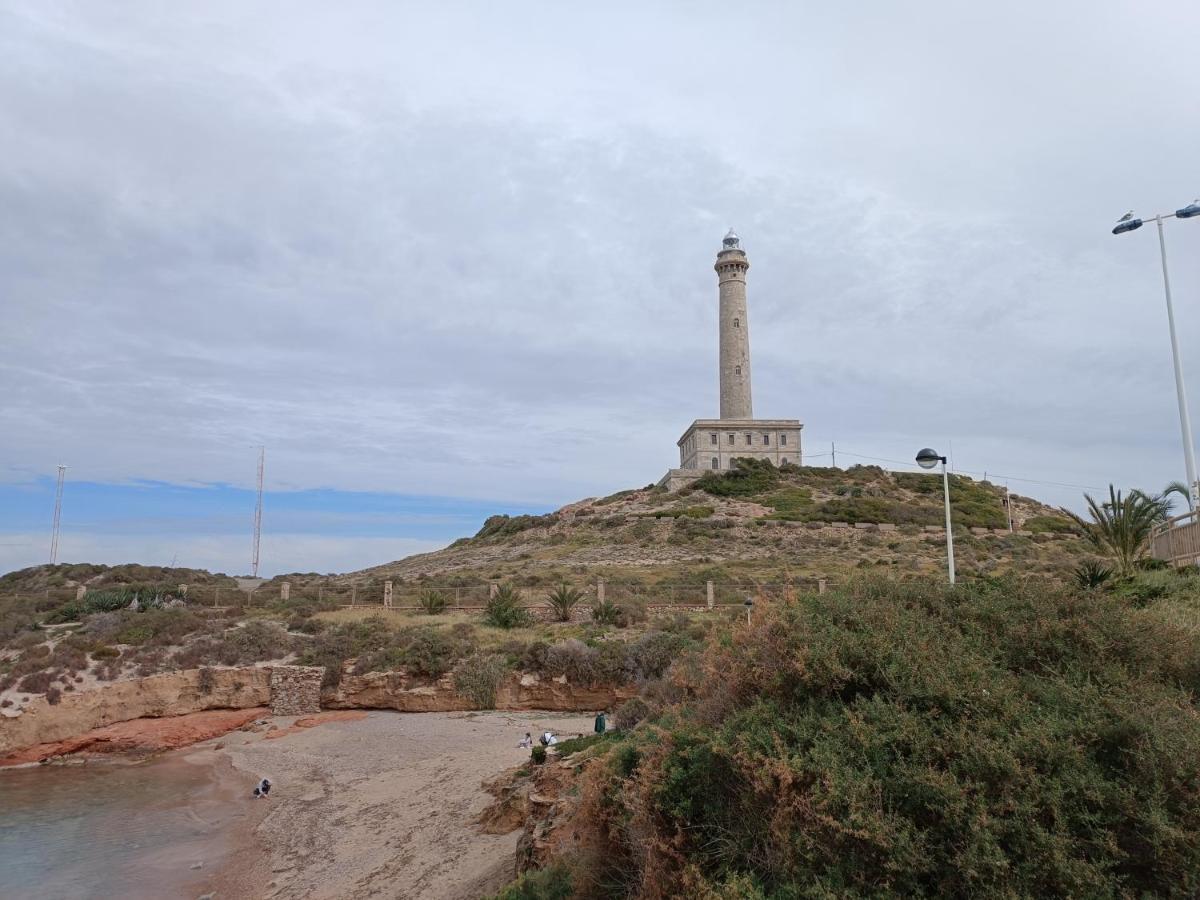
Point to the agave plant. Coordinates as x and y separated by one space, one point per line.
563 599
1120 527
431 601
1091 574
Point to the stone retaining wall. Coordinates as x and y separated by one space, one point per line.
296 690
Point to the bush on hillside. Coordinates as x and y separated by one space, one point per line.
504 609
431 602
746 478
422 651
911 739
550 883
503 525
479 676
605 612
1049 525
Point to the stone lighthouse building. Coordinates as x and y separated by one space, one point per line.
713 444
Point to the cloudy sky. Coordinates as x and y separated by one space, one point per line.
448 259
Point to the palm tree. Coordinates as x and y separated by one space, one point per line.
1121 527
1175 487
563 599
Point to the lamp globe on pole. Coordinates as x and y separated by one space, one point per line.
1127 223
927 458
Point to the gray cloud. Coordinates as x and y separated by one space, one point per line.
467 251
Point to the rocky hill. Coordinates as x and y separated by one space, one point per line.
756 523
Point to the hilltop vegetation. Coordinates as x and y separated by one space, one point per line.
753 524
1002 739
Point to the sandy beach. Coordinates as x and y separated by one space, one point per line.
377 804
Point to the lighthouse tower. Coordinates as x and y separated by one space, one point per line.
714 444
736 401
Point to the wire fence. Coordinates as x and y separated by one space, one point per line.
401 596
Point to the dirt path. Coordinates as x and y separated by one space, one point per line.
381 807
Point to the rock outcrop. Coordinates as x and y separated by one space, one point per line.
172 694
402 692
80 719
140 736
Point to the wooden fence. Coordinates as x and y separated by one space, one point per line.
1177 541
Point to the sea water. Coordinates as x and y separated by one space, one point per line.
156 829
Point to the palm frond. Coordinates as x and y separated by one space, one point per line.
1121 526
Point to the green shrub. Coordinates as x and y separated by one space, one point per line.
551 883
147 596
478 677
503 525
630 713
563 599
332 647
912 739
605 612
421 651
431 602
747 478
1091 574
630 611
537 755
504 609
574 745
1049 525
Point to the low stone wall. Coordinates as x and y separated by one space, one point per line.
296 690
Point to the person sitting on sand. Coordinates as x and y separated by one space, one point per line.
548 739
526 742
263 788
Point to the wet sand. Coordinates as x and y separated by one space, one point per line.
380 807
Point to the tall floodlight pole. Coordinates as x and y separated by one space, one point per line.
927 459
1129 223
58 492
262 458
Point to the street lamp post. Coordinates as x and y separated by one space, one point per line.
1129 223
927 459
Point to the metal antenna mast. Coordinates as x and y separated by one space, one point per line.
58 492
262 456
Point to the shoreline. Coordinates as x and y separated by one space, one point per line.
385 806
364 804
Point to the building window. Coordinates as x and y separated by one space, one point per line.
714 438
737 370
766 439
732 438
783 439
716 463
749 439
737 323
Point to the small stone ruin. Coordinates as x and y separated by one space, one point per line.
296 690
